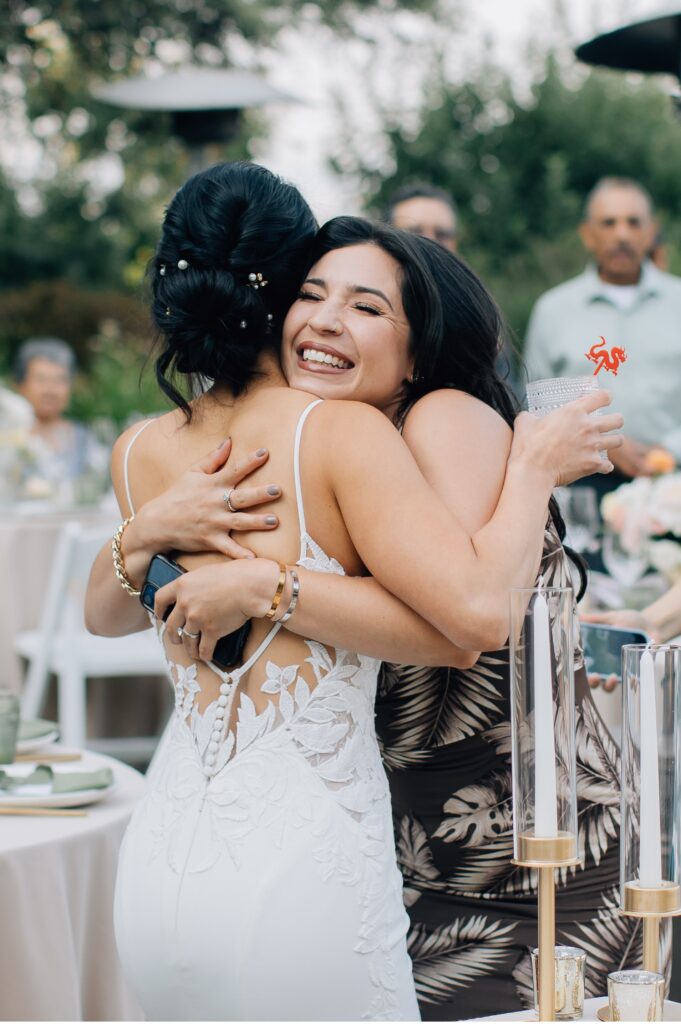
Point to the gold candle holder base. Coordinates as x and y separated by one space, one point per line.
651 905
539 852
663 901
546 855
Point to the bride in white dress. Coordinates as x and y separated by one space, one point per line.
257 878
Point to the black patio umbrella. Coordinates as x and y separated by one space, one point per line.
651 45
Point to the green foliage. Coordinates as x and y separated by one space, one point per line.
60 309
120 382
110 333
519 170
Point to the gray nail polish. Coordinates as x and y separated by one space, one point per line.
271 520
260 452
273 490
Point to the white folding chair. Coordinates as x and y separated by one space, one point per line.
62 645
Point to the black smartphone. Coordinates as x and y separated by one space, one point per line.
163 570
603 645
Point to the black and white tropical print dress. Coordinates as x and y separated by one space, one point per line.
445 737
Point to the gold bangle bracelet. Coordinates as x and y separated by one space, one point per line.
278 592
118 563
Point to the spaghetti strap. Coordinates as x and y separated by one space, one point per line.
235 675
296 473
125 464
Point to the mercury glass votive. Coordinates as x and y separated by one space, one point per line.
9 725
635 995
570 962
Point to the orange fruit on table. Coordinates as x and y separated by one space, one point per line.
659 460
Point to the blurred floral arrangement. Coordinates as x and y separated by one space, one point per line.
647 513
19 466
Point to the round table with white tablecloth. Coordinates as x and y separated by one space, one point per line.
58 958
28 538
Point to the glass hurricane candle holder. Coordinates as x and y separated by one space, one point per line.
543 726
651 788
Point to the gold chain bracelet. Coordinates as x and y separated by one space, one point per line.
118 563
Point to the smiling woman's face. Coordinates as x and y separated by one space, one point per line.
346 335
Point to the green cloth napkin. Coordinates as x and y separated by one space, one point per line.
61 782
35 728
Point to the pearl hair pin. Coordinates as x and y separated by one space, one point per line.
257 281
182 264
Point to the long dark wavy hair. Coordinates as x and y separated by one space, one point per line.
456 328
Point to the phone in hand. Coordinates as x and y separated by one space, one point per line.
162 570
603 645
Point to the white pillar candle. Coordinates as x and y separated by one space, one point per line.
545 809
650 858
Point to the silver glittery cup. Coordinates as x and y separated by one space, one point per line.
635 995
570 963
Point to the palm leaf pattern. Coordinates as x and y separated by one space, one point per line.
454 955
414 857
439 706
598 770
477 814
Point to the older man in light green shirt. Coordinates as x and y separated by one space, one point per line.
628 301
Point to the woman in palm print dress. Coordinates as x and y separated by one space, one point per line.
445 738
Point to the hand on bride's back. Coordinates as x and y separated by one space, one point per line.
567 442
193 515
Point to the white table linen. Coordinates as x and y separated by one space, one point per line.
58 958
672 1011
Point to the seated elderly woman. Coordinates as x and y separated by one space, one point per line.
43 372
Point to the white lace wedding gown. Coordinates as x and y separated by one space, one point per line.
257 879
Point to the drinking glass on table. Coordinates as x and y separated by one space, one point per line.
579 509
626 564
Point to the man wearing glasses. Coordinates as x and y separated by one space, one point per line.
424 210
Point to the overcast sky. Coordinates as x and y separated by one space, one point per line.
301 136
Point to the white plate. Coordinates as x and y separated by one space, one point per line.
37 742
82 798
37 797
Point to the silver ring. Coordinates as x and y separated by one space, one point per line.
192 636
227 498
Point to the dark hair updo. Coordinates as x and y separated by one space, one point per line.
228 229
